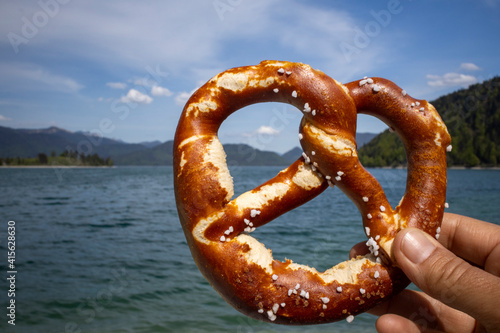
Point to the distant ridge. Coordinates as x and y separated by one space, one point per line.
26 143
237 154
31 142
292 155
150 144
241 154
363 138
158 155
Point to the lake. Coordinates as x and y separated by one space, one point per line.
102 250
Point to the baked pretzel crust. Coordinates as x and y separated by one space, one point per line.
218 227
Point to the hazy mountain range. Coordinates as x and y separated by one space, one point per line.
54 140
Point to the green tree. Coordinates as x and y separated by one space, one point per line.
42 158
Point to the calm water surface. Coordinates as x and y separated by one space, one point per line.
102 250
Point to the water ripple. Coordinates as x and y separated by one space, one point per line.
103 249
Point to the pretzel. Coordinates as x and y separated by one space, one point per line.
218 227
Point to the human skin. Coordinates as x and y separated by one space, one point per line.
459 275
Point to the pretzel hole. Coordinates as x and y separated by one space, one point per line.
310 234
393 181
388 165
265 126
319 233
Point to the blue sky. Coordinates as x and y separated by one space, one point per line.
124 69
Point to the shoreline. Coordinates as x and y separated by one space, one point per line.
456 167
473 168
54 166
448 168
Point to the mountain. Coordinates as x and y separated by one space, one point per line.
241 154
158 155
150 144
237 154
363 138
472 116
31 142
292 155
27 143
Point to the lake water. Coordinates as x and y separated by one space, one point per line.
102 250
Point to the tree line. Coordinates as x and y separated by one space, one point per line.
66 158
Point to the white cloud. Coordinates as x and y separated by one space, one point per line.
107 100
261 131
147 81
468 66
451 80
141 34
135 96
117 85
124 33
28 76
183 97
267 130
3 118
160 91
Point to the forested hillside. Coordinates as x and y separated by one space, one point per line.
472 116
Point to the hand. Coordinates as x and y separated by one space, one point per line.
459 277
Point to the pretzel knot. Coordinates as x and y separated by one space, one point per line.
218 227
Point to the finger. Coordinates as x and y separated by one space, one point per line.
474 240
425 312
395 324
359 249
447 278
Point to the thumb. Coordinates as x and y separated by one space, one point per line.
446 277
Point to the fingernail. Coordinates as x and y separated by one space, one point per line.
416 246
